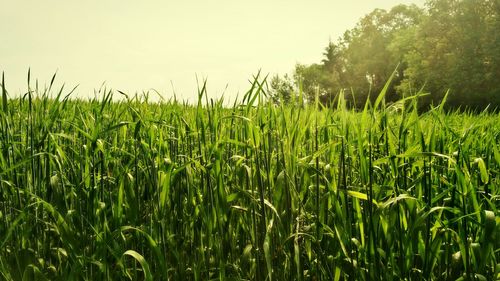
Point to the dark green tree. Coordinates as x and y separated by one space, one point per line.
456 47
450 45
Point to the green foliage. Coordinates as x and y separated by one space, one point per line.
457 47
450 45
130 190
281 89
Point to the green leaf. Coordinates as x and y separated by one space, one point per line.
4 95
482 170
142 261
267 251
384 90
359 195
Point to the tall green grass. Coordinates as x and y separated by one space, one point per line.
110 190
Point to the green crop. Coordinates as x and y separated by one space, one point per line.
127 189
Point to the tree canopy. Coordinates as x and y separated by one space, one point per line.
448 45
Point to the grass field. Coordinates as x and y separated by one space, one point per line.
131 190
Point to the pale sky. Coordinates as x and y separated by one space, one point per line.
138 45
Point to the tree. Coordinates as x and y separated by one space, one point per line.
450 45
361 61
369 58
281 89
456 47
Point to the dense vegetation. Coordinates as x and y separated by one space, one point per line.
110 190
447 45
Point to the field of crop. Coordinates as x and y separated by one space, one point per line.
131 190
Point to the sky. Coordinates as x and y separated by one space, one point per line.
135 46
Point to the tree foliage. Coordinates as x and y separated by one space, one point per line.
447 45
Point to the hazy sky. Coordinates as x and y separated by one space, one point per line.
138 45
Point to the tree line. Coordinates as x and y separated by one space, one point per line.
446 46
